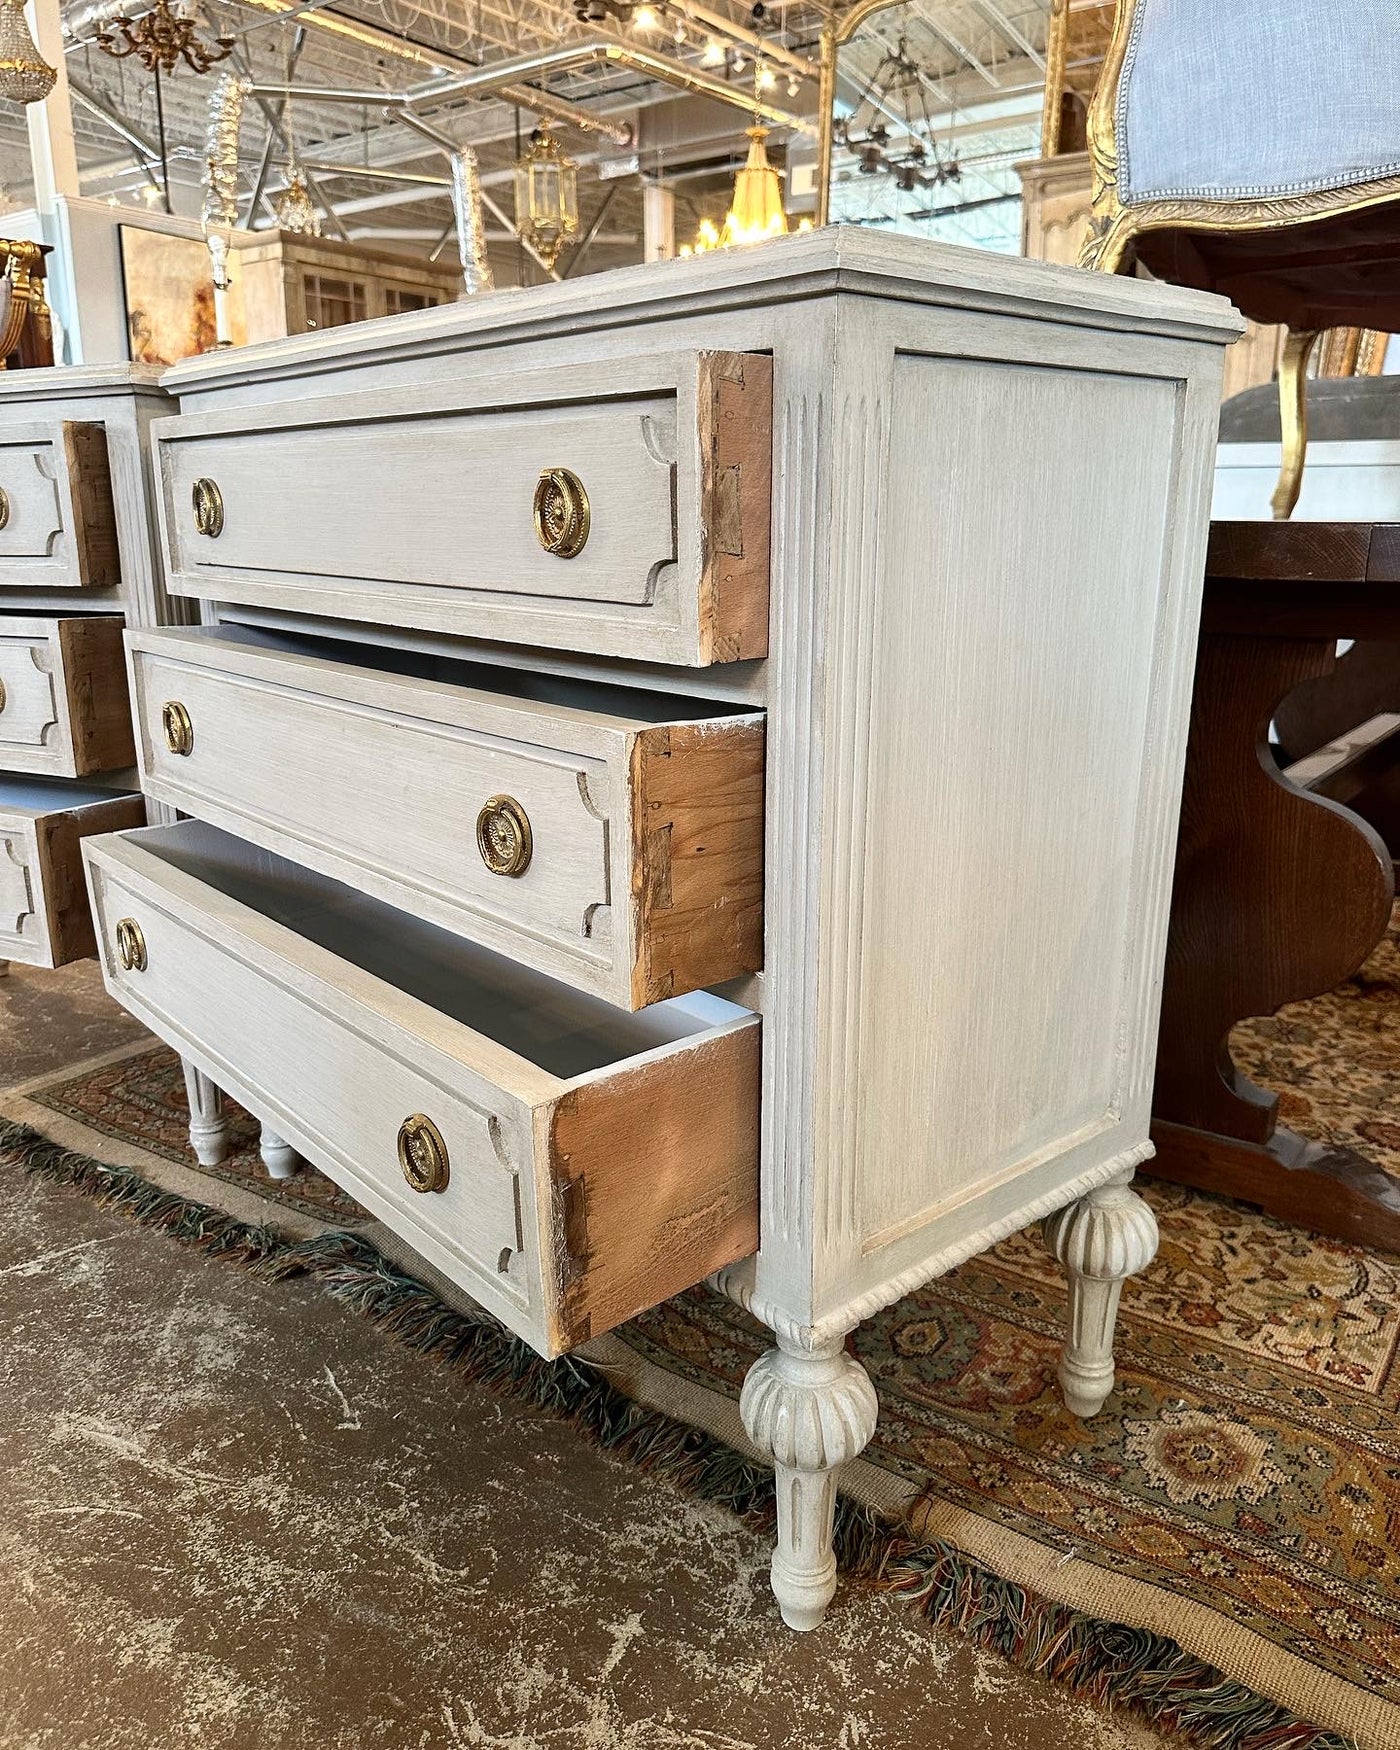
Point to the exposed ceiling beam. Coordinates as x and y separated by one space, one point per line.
1011 31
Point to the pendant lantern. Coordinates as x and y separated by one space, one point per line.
546 195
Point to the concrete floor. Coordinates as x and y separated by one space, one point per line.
237 1515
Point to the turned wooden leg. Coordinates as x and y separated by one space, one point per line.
811 1410
1100 1241
280 1158
4 969
1293 418
208 1126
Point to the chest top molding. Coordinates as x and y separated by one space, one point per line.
839 258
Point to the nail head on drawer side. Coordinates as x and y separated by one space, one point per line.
655 1180
697 862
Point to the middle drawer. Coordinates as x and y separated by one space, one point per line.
610 837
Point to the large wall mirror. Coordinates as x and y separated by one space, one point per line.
908 143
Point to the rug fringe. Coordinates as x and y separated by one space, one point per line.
1110 1664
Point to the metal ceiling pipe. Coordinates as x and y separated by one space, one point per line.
436 60
569 57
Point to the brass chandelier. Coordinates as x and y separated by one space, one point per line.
161 38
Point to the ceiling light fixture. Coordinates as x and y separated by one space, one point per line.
25 76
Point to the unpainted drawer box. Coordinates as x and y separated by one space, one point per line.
430 507
566 1163
44 915
639 815
58 525
64 706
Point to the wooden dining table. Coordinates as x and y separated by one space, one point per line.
1282 888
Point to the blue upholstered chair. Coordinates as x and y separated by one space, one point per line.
1252 147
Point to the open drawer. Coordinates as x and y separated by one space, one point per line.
44 915
619 508
58 527
610 837
566 1163
64 707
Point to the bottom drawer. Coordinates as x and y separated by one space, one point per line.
44 915
567 1163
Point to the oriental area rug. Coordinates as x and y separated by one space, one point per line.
1217 1552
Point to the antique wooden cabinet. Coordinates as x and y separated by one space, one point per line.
685 771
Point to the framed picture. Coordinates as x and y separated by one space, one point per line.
169 294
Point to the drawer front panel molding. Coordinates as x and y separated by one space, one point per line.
541 1213
64 708
642 877
621 510
57 519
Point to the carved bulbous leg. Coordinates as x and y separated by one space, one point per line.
811 1410
280 1158
1100 1241
4 969
208 1126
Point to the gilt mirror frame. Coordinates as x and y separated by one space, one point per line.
837 30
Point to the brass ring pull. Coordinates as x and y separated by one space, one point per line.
208 504
503 836
131 945
562 514
423 1154
179 730
4 508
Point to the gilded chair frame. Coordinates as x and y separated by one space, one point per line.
1113 227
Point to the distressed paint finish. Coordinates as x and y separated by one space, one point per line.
987 526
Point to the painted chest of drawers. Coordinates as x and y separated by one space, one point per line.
77 565
685 770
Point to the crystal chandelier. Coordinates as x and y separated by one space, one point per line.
293 208
546 196
25 76
160 38
756 211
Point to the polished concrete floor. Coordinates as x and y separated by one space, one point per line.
237 1515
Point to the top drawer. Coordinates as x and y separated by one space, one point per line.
619 509
57 524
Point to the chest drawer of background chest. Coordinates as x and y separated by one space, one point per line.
64 708
610 837
566 1163
57 522
44 914
619 508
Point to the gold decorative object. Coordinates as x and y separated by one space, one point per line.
208 504
503 836
161 37
562 513
423 1154
25 76
546 195
294 209
179 730
131 945
4 696
4 508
